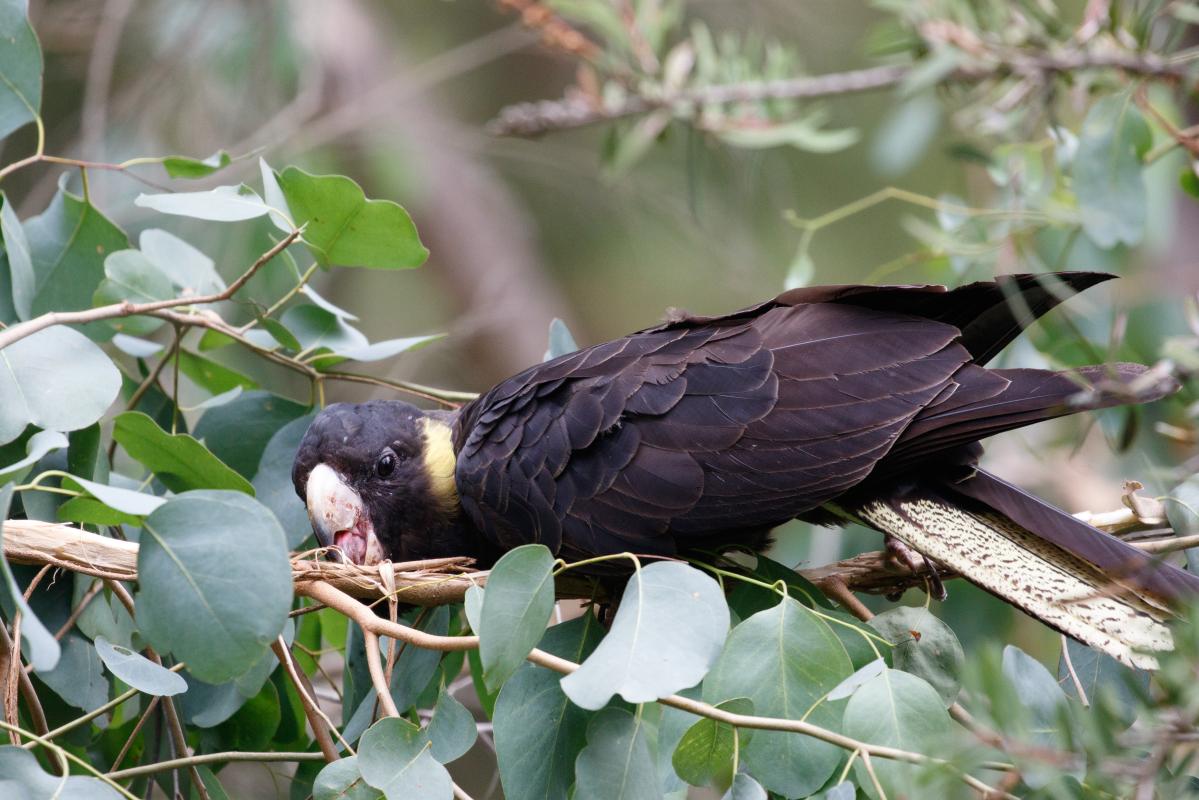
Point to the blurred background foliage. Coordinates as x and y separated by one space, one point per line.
680 205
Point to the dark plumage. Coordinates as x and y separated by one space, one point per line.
827 403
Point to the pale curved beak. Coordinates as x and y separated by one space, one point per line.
339 517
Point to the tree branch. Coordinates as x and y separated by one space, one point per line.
576 111
128 309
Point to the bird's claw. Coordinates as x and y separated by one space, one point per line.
904 557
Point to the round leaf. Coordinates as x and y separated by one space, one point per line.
516 608
178 460
924 646
706 755
215 582
22 778
138 671
189 269
899 710
342 781
668 631
452 730
616 764
56 379
20 69
785 660
394 756
272 481
39 445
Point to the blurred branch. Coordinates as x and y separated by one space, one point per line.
576 110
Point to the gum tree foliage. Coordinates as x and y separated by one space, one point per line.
1076 122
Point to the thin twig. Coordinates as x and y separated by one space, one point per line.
127 308
375 664
32 703
212 758
141 721
316 718
77 612
1069 662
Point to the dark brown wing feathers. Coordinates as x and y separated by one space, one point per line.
705 430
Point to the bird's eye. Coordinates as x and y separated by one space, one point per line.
386 464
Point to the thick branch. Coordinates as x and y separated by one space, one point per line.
532 119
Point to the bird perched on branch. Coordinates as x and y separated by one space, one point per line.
829 404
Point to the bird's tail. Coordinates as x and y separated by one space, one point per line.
1071 576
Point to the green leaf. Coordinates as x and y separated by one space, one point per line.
343 228
138 504
23 779
78 677
516 608
341 780
129 275
801 134
20 259
253 726
924 646
416 666
281 334
222 204
394 756
616 764
36 448
20 68
138 348
73 394
69 242
178 460
138 671
452 730
898 710
785 660
272 481
862 675
669 628
42 648
538 731
1039 717
706 755
1112 198
561 342
90 511
190 270
215 582
186 167
316 327
238 432
1103 679
212 377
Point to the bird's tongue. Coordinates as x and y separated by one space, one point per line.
353 544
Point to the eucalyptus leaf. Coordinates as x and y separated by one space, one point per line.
210 376
130 276
1102 678
863 675
341 780
669 629
56 379
138 671
785 660
190 270
69 242
16 247
272 481
135 346
377 351
238 432
706 755
214 582
36 448
393 756
516 608
343 228
616 764
1111 191
126 500
904 136
316 327
281 215
561 342
452 730
22 778
20 68
78 677
222 204
899 710
924 646
187 167
746 788
178 460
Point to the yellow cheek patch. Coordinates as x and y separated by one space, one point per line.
440 462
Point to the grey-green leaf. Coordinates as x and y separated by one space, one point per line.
20 68
39 445
668 631
706 755
924 646
899 710
516 608
43 649
215 582
616 764
341 780
22 778
452 730
56 379
1102 678
222 204
78 677
316 327
138 671
130 276
193 272
272 481
393 756
20 259
1112 197
746 788
561 342
785 660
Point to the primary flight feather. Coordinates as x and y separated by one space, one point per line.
828 404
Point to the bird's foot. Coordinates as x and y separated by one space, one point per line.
904 557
